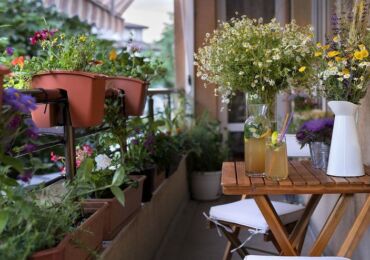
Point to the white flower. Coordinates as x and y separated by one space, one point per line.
102 162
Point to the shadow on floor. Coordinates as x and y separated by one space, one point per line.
188 238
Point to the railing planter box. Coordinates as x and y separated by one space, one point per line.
117 215
159 177
135 93
85 96
149 183
78 245
3 71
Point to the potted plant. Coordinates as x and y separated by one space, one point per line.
205 159
131 71
344 73
317 134
64 63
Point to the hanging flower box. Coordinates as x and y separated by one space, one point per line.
135 93
118 215
81 243
86 95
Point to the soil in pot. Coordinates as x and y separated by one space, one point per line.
118 215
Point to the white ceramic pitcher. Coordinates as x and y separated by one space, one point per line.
345 159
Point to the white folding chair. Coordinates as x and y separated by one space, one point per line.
260 257
230 218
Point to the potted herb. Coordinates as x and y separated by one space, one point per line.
64 63
317 134
131 71
205 159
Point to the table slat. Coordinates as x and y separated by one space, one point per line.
243 179
319 174
296 179
228 174
257 181
305 174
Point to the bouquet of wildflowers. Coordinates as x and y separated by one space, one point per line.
344 70
257 58
316 130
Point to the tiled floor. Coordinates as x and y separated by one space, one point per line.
189 239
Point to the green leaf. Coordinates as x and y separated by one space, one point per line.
85 169
15 163
118 193
4 216
118 177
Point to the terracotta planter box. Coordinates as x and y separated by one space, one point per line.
159 177
86 95
135 93
82 242
3 71
118 215
149 182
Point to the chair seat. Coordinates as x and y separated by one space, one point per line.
260 257
246 213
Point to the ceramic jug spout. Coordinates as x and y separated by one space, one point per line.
343 108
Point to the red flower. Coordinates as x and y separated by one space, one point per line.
18 61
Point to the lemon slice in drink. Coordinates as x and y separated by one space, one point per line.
274 137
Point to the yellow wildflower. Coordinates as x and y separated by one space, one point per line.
332 54
302 69
82 38
331 64
336 38
318 45
318 53
113 54
358 55
362 47
364 53
325 47
345 71
338 59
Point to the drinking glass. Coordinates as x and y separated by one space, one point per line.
276 164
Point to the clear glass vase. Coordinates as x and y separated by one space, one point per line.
256 131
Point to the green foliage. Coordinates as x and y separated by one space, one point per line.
24 17
204 142
133 64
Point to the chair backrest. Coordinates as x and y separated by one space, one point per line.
294 148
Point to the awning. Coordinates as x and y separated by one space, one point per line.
104 14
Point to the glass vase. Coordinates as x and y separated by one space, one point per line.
256 132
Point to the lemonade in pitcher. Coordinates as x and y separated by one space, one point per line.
256 132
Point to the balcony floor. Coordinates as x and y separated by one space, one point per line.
188 237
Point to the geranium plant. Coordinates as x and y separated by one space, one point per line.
316 130
344 62
256 57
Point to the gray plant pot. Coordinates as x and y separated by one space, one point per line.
205 186
319 155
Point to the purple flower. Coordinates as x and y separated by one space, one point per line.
28 148
135 142
316 130
14 122
316 125
18 101
26 176
9 50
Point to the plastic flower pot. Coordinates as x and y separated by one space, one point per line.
3 71
86 95
135 93
117 215
81 243
149 183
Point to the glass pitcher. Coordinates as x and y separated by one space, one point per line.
256 131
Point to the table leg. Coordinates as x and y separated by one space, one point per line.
359 227
331 223
274 222
299 232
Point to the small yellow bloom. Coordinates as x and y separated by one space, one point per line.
318 53
338 59
325 47
82 38
302 69
364 53
358 55
345 71
318 45
113 54
332 54
336 38
362 47
331 64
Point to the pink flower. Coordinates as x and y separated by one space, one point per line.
53 157
88 149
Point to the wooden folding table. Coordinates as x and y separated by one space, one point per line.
303 179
